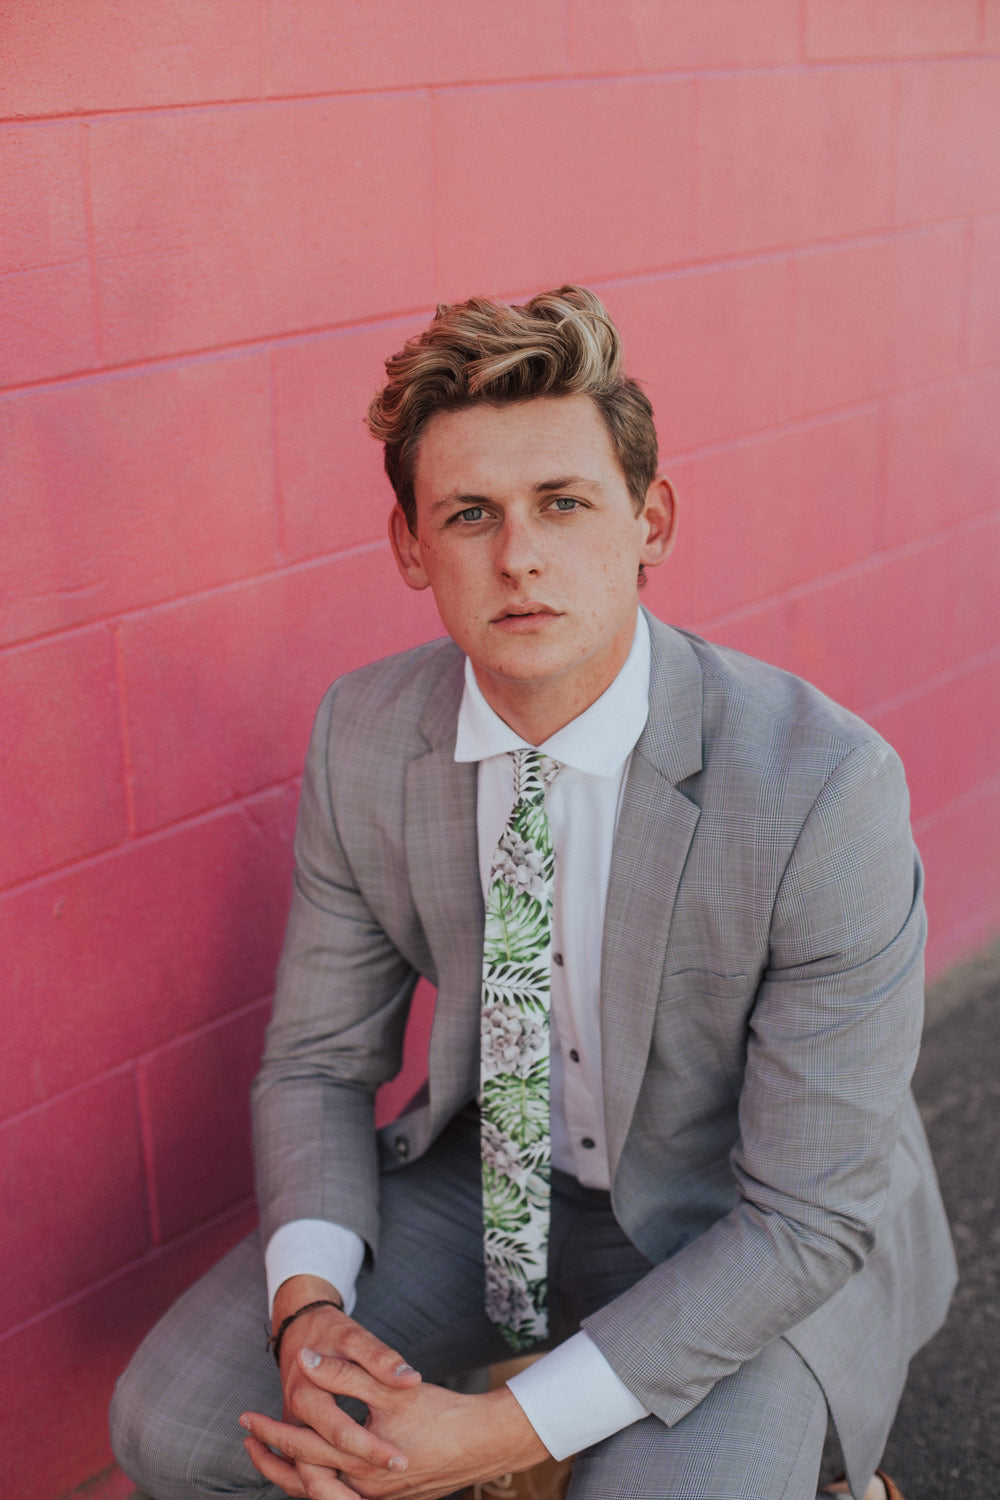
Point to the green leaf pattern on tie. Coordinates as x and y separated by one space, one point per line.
514 1065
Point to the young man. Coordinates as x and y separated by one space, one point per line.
670 902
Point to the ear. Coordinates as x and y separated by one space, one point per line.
660 517
406 551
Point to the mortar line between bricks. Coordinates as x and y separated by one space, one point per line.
566 79
147 1055
276 489
150 1257
706 266
966 799
966 668
128 769
871 563
203 1028
141 839
147 1153
210 591
97 332
895 129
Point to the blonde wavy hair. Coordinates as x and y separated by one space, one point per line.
561 343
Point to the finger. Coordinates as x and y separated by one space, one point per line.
297 1479
385 1364
341 1376
339 1443
284 1475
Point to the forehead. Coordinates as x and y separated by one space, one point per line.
484 447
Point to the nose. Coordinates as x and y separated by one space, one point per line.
517 555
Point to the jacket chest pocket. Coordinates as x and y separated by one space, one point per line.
702 1025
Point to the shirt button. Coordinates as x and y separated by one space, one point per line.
402 1147
574 1055
587 1143
557 958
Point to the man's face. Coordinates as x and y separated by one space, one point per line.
528 538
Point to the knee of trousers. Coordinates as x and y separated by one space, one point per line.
164 1453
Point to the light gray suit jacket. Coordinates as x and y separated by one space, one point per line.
761 1005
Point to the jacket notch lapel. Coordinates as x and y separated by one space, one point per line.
654 834
442 852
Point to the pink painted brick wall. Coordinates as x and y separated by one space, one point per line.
215 221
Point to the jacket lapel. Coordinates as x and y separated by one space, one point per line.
654 834
443 856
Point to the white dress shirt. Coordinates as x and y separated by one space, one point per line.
571 1396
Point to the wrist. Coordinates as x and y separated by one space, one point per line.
520 1440
298 1292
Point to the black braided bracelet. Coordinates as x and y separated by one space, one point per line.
274 1339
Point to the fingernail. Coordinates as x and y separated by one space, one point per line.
311 1359
405 1370
245 1422
397 1465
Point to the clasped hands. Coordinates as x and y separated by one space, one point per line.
420 1440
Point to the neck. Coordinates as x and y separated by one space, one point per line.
537 710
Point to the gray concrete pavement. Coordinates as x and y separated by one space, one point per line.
945 1444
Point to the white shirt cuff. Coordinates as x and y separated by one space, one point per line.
314 1247
573 1398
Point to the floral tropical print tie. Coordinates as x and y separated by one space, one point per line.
514 1059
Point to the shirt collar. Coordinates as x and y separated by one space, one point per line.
598 741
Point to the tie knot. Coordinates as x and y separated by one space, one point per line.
534 773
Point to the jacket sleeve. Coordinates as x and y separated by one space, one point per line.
340 1008
834 1033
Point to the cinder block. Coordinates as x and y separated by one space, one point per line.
984 291
843 303
127 54
959 849
890 28
113 958
62 755
42 213
874 632
126 490
646 36
71 1195
760 632
197 1095
947 738
576 214
787 158
46 323
221 690
327 48
928 274
68 1361
214 226
991 25
947 150
711 348
943 460
761 516
334 492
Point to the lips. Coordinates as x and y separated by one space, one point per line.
528 609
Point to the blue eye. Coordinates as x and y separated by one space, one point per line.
471 513
566 502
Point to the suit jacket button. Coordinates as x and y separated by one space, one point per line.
402 1147
587 1143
